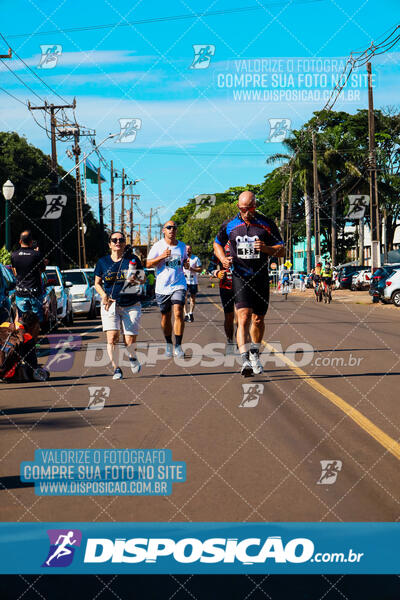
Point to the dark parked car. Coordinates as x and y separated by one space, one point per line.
346 275
378 282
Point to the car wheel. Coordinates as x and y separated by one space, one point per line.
396 298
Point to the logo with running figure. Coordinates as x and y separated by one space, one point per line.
330 470
278 130
202 55
62 547
251 394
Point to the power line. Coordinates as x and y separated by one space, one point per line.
22 81
32 71
12 96
212 13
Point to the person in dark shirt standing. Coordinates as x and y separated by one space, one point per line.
28 265
117 279
252 238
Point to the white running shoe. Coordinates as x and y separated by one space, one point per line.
117 373
256 364
168 351
247 369
135 364
178 352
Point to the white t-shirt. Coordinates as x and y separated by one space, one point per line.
191 276
169 272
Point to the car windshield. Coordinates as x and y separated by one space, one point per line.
75 277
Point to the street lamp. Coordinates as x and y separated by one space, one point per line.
8 193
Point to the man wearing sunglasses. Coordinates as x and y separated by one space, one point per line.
117 279
252 238
169 257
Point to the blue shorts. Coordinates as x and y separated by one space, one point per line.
165 301
30 303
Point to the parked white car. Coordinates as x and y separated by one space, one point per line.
83 300
361 280
392 288
97 297
63 294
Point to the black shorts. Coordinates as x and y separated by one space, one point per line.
227 300
192 289
328 280
253 293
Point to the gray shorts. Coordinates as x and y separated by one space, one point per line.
165 301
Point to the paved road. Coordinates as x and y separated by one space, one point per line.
244 463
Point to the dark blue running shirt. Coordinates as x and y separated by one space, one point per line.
247 262
113 277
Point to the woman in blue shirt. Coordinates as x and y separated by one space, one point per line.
117 279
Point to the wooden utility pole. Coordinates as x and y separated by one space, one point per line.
307 210
373 184
316 201
79 210
289 218
123 203
131 221
54 174
101 216
282 219
149 230
9 55
112 198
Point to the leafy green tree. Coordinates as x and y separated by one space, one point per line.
29 170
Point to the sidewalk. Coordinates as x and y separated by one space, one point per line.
347 297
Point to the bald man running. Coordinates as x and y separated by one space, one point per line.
252 239
169 257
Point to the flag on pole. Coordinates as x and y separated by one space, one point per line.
91 172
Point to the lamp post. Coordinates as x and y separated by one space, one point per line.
8 193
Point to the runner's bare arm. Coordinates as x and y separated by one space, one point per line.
220 254
152 262
278 250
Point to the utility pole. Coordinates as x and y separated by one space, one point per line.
373 185
289 218
282 219
101 216
112 198
9 55
79 210
149 231
131 221
123 203
316 201
54 174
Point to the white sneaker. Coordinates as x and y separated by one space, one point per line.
117 373
247 369
135 365
178 352
256 364
168 351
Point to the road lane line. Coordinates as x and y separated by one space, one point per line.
368 426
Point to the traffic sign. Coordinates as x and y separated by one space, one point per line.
287 264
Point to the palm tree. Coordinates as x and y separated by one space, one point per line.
299 166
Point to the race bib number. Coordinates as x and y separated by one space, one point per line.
247 250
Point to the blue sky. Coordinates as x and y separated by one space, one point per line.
197 136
